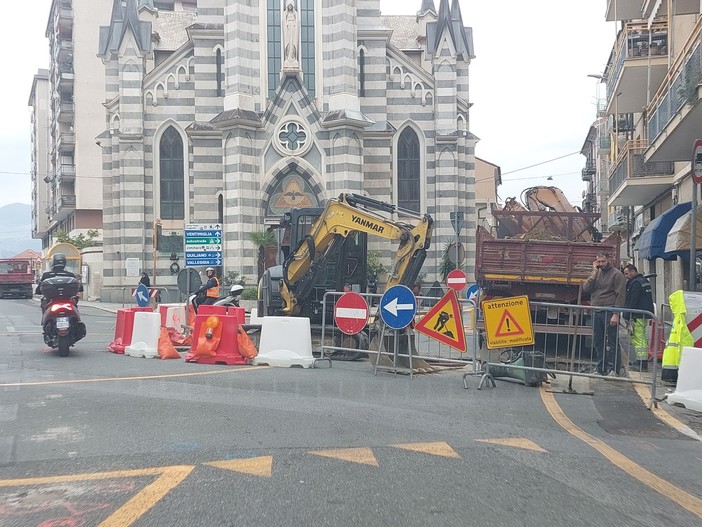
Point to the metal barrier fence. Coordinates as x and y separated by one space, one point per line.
167 295
378 340
576 340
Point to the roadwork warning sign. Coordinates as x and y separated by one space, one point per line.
508 322
444 322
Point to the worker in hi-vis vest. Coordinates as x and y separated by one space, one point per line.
638 296
679 337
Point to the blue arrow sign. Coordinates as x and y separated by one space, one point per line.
201 234
202 262
212 254
141 293
398 306
472 293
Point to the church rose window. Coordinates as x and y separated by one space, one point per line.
292 137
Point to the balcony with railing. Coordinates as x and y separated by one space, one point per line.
636 50
675 113
635 182
65 76
67 142
66 172
65 112
589 170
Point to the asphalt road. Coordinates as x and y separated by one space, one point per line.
103 439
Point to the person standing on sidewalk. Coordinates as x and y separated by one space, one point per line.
638 296
606 286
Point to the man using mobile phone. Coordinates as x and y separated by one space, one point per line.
607 288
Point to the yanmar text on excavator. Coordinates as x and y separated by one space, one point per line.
326 248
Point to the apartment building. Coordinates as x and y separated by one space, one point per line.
639 149
67 193
40 162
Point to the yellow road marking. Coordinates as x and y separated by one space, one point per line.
684 499
137 506
438 448
661 414
517 442
136 378
255 466
354 455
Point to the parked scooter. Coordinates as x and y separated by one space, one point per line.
60 317
232 299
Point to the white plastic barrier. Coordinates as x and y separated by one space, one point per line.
172 315
147 329
253 316
688 390
285 342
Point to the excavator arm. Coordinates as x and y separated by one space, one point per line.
344 217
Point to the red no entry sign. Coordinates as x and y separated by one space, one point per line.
456 280
351 313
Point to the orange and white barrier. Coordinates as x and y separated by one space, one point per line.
147 329
124 328
688 390
215 336
172 315
285 342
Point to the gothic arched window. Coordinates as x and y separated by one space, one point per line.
171 172
408 170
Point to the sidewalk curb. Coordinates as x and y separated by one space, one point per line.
645 393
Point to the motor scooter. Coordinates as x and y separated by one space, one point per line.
60 316
232 299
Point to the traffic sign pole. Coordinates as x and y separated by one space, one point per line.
696 179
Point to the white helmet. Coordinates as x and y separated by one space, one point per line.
209 269
236 290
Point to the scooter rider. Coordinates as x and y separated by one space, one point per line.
58 268
208 292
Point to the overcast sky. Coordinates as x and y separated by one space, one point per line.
532 98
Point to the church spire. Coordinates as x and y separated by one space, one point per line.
427 5
117 13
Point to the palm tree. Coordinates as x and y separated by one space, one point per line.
262 239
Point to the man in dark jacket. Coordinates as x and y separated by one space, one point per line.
638 296
606 286
58 268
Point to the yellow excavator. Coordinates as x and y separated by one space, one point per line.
330 248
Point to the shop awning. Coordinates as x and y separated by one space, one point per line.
651 244
678 241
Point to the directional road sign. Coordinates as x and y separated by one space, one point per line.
141 293
398 306
203 244
473 292
351 313
456 280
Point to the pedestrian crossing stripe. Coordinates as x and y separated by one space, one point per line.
444 322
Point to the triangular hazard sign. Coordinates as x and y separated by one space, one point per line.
444 322
508 327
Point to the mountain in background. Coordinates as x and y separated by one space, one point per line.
16 230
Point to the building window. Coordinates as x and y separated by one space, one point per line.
274 45
408 170
307 40
220 209
172 175
361 73
220 76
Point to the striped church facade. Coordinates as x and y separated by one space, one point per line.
213 110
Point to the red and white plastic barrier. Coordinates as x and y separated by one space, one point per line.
224 330
124 328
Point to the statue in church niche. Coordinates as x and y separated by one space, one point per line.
291 36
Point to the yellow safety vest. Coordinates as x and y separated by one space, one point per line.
679 337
